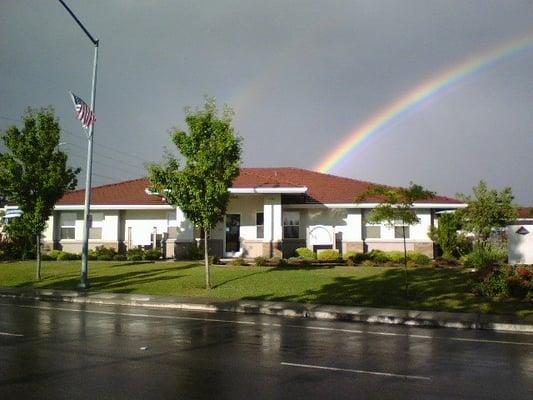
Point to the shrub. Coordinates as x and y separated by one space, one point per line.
517 287
445 262
418 258
135 254
194 252
378 256
261 261
153 254
91 255
214 260
504 280
54 253
369 263
120 257
66 256
483 257
46 257
104 253
353 258
494 283
524 273
277 262
392 264
238 262
305 253
299 261
396 256
329 255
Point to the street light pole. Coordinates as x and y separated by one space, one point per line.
84 283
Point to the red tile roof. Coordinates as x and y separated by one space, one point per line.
525 212
322 188
121 193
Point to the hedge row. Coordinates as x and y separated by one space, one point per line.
102 253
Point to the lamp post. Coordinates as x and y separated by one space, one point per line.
84 283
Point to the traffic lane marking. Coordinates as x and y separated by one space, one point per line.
357 371
11 334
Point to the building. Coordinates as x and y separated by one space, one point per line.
272 212
520 238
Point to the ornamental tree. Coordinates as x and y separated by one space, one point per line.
396 207
34 172
487 211
447 235
199 187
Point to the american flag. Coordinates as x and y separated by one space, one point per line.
83 111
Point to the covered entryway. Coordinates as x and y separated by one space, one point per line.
233 235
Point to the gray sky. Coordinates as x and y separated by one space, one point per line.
300 75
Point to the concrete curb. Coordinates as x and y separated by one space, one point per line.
295 310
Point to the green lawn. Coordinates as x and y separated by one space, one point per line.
431 288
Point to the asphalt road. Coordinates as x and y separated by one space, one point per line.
61 350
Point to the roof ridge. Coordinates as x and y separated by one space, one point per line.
266 177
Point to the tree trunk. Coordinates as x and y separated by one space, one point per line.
405 262
38 254
206 260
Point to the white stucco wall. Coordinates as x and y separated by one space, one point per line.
108 222
185 229
320 226
48 233
520 246
247 207
141 224
417 232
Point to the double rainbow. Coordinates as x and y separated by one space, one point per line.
435 86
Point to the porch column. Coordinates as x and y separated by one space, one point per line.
273 228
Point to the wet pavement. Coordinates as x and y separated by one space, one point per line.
59 350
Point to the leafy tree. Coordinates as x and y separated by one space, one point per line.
212 152
487 211
396 206
453 243
33 172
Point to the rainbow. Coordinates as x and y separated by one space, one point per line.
425 91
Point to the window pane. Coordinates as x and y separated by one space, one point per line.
291 218
67 233
95 233
97 216
259 218
398 232
260 232
373 232
67 219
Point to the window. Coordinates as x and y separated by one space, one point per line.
95 230
260 223
398 231
373 231
291 224
95 233
67 223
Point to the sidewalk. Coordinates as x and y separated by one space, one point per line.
296 310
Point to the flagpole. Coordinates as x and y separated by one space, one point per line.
84 283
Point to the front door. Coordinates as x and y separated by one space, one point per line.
233 233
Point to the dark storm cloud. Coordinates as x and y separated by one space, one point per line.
300 75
